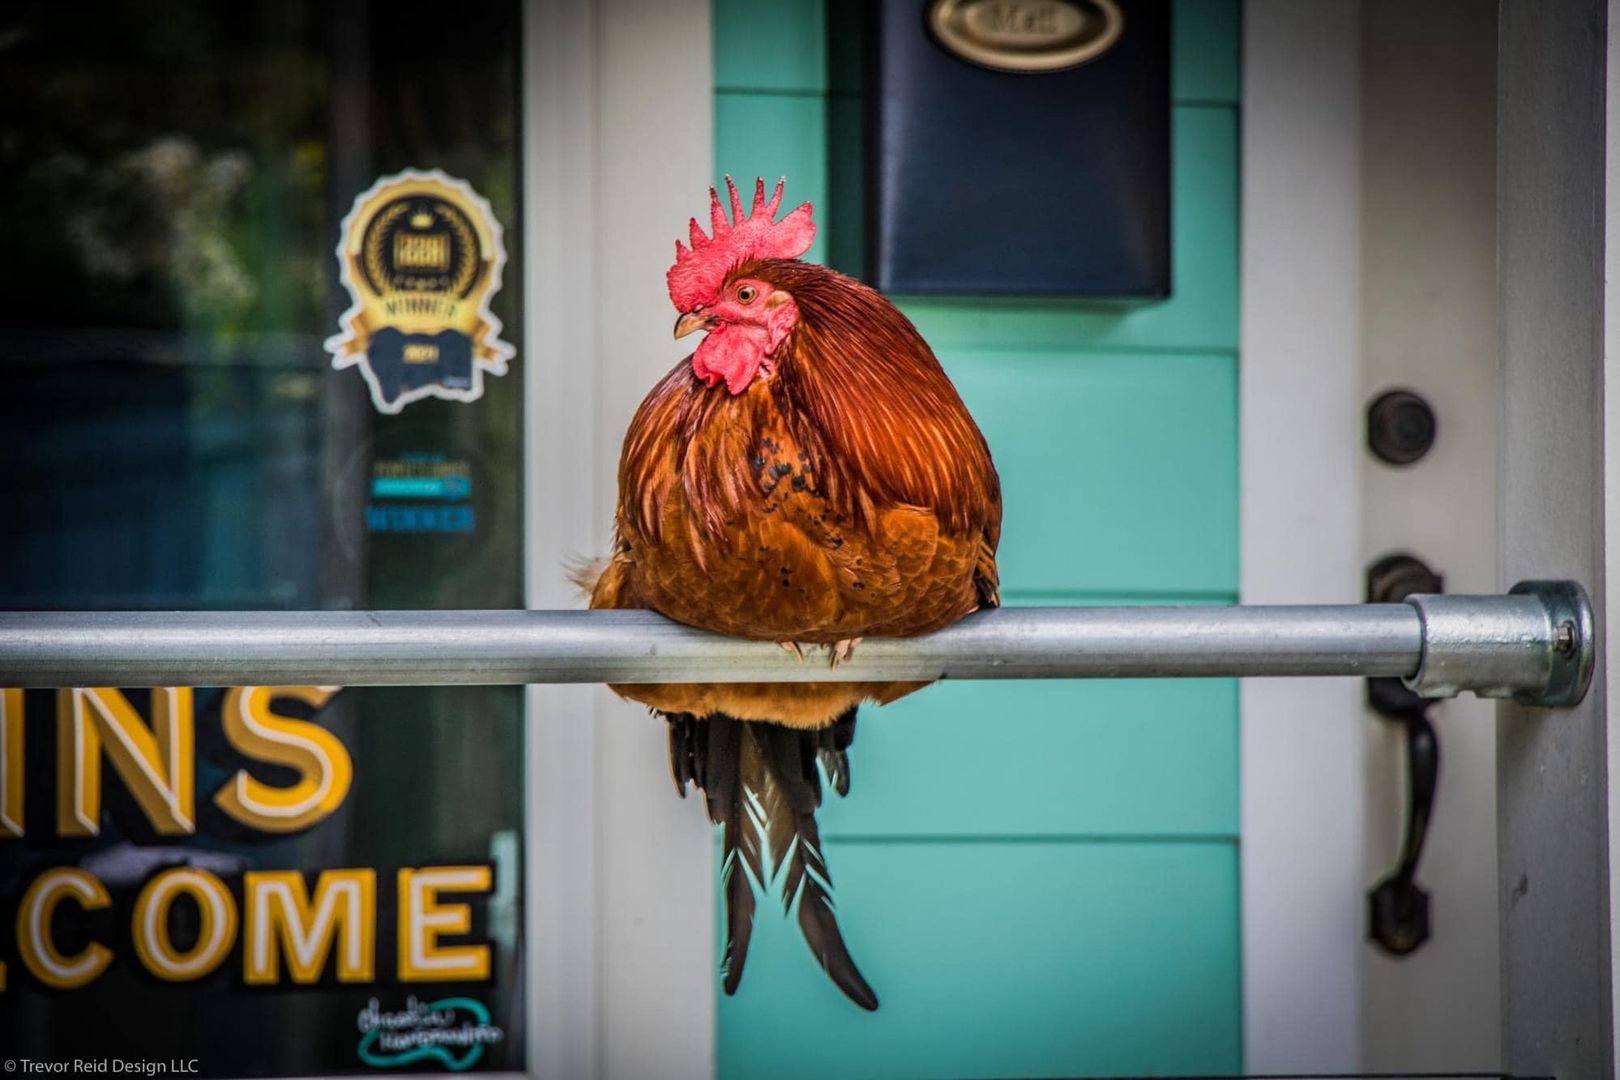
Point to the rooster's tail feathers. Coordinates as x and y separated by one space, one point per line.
762 787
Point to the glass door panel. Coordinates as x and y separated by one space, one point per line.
280 883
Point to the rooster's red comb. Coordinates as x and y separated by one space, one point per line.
699 272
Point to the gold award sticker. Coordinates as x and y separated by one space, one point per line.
421 256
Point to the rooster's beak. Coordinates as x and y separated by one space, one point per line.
691 321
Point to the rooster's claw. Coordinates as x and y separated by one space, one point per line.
844 649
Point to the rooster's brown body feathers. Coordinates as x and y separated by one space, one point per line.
848 495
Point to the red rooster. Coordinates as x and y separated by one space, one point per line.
808 475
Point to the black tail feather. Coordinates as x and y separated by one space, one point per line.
808 881
792 755
762 786
742 869
832 746
723 760
739 877
682 737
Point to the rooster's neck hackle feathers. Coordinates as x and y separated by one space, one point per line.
698 272
856 386
871 400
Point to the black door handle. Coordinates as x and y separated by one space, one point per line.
1397 907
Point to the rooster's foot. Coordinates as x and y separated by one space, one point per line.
792 647
844 649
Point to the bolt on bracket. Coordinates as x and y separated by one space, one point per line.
1536 645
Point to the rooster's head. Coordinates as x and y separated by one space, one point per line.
746 317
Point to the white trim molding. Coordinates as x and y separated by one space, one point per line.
561 520
1303 804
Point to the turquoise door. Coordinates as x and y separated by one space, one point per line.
1041 878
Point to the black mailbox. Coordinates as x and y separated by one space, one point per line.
1021 147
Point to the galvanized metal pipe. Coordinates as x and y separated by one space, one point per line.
1517 647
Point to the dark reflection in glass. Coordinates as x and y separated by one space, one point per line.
173 174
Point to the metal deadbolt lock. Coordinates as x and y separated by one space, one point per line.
1401 427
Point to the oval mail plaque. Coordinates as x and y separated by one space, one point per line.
1027 36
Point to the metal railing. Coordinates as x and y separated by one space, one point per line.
1534 644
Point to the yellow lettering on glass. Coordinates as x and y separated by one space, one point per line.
150 925
34 942
322 762
283 920
155 763
423 919
11 768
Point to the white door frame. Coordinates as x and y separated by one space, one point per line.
560 519
1302 749
618 150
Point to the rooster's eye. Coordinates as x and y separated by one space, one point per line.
746 294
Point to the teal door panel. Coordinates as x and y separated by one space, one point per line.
779 46
1119 475
1003 959
770 136
1065 758
1039 878
1202 311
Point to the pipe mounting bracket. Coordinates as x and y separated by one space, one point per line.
1536 645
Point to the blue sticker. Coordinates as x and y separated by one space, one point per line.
410 518
418 480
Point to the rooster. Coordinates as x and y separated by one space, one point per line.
808 475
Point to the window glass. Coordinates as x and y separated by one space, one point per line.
269 882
